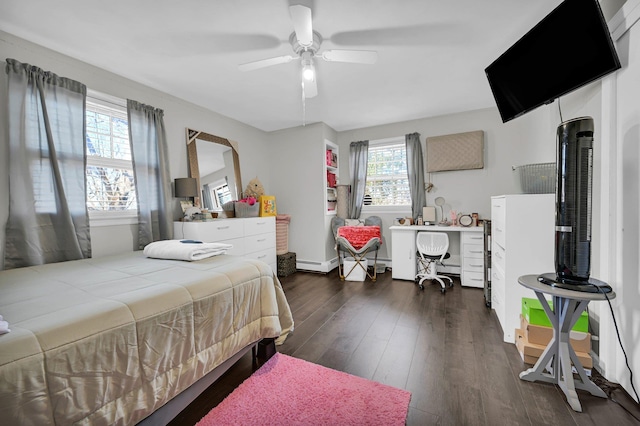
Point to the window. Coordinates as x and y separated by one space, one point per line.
110 180
387 179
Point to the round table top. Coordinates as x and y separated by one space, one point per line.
531 281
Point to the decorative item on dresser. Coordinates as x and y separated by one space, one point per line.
251 237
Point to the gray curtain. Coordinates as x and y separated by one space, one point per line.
358 158
48 219
415 170
151 170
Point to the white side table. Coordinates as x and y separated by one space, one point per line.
568 305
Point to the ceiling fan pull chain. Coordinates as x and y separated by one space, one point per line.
304 107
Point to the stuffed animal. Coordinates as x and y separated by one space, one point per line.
254 189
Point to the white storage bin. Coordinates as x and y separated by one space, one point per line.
358 274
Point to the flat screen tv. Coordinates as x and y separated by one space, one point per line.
569 48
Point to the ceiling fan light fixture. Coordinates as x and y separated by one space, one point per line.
308 70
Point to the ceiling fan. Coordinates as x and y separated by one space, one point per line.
306 45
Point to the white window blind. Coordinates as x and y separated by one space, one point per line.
387 179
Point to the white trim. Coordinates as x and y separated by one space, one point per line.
387 141
624 19
610 361
610 262
107 101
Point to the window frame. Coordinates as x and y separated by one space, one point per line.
114 217
397 208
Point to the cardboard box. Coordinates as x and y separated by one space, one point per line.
533 311
530 352
541 335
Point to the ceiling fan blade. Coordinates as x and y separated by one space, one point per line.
310 88
353 56
301 18
250 66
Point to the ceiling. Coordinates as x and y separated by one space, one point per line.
431 53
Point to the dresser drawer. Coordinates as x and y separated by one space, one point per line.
260 242
473 279
498 293
473 251
214 231
473 238
498 220
267 256
498 256
259 225
473 265
238 248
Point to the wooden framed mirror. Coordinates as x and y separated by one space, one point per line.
215 164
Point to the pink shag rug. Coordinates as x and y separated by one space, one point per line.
291 391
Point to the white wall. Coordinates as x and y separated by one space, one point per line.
296 173
178 114
621 202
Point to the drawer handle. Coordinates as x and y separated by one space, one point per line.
262 257
261 223
261 240
476 238
476 279
476 251
223 227
477 265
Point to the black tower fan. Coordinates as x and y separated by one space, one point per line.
573 208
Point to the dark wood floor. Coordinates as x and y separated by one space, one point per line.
446 349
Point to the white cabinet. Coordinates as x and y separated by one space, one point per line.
251 237
522 243
403 253
472 250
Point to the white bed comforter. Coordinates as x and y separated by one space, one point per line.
110 340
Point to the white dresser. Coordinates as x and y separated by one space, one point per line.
469 263
251 237
522 243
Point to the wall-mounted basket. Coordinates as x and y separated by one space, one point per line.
537 178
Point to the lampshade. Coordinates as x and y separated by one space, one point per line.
186 187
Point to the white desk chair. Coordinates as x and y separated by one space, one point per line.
432 250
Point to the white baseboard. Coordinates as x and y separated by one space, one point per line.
326 266
315 266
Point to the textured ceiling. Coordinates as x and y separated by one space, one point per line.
431 53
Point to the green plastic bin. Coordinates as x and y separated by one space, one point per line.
534 313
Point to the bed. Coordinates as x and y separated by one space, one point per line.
112 340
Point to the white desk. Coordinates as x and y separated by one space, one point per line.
559 354
469 262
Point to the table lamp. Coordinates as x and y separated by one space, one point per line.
186 188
